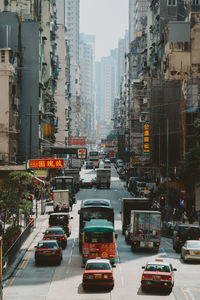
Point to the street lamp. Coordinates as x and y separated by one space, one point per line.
167 149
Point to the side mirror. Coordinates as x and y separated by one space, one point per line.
35 246
79 211
114 266
72 218
116 235
174 269
143 267
43 233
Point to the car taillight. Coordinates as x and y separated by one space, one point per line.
177 237
62 238
187 252
68 225
146 276
44 238
110 276
49 225
57 252
134 243
169 278
157 244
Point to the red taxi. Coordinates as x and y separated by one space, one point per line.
158 274
48 251
56 233
98 273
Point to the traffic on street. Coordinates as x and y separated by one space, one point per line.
165 275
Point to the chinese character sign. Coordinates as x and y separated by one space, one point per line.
146 139
45 163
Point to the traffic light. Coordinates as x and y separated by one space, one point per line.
162 200
37 193
30 198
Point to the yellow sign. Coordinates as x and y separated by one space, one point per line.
146 139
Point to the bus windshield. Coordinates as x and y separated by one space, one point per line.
97 213
98 237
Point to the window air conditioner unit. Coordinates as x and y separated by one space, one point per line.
2 156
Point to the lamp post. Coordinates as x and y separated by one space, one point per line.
167 150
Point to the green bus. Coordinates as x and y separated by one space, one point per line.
98 240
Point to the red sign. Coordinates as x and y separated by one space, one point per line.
81 153
80 140
45 163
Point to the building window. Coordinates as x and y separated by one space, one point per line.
2 56
195 2
172 2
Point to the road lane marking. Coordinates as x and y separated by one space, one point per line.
120 269
188 291
187 294
28 259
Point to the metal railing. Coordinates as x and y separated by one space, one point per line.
10 254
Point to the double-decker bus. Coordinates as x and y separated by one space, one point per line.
98 240
94 157
94 209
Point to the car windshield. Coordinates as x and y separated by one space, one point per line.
99 237
157 268
189 233
47 245
98 266
54 231
58 219
194 244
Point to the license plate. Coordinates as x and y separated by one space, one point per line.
47 253
146 244
157 278
148 282
97 276
197 252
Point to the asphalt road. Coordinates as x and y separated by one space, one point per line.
64 282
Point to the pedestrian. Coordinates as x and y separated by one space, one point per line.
174 214
184 216
198 217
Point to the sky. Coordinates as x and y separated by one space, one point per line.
107 19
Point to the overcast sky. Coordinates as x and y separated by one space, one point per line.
107 19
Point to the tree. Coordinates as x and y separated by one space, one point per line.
13 196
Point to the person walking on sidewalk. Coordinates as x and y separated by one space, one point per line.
184 216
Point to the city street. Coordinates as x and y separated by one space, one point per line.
64 282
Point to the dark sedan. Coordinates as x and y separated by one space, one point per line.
48 251
56 233
86 184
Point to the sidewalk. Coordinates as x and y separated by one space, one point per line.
39 222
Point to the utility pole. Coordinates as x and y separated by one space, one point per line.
1 288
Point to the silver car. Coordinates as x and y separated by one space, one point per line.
191 250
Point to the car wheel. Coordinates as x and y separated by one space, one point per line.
36 263
143 288
169 291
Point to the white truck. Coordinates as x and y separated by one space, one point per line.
61 200
145 229
103 178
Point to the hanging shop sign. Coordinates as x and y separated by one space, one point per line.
146 138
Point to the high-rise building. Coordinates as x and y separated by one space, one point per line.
132 20
123 48
60 94
72 18
87 46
